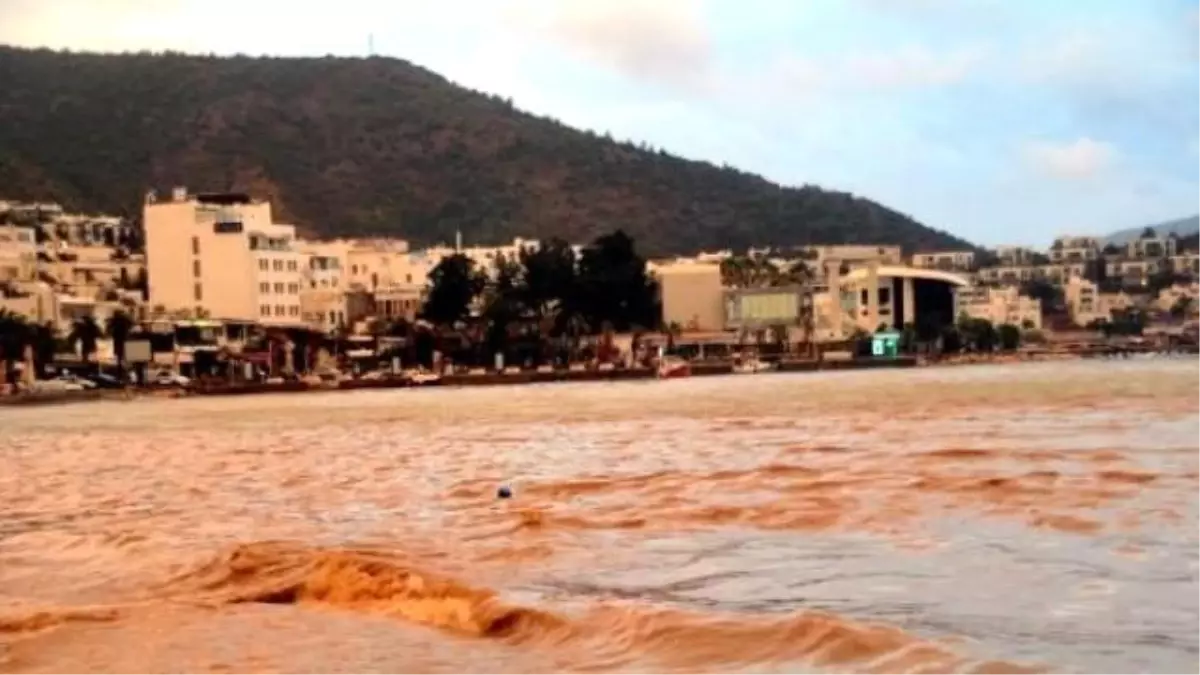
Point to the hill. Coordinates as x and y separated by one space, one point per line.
380 146
1181 228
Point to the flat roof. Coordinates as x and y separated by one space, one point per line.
902 272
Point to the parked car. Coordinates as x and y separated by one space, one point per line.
106 381
72 379
166 378
54 386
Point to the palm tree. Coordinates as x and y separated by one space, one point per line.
44 346
14 336
118 328
85 332
800 274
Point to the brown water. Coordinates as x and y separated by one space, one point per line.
968 519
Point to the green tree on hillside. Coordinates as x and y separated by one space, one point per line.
349 147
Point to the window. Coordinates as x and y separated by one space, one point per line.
280 310
294 310
264 287
264 310
277 265
863 297
278 286
197 292
291 266
195 245
354 269
293 288
196 268
885 296
408 278
262 264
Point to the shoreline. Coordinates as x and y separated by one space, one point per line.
525 377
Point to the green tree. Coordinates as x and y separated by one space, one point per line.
501 305
45 344
548 281
1050 294
15 334
118 328
977 334
1009 337
614 286
85 333
453 285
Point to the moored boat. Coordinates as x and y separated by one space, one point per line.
672 367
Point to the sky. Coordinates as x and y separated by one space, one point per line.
1002 121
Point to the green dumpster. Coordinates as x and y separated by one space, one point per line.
885 344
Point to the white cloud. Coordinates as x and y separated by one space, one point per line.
911 67
663 41
1079 159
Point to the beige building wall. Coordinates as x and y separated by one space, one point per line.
692 296
37 303
1083 301
945 260
998 306
229 261
1167 297
18 253
328 310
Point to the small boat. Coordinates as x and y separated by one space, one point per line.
423 377
672 367
752 366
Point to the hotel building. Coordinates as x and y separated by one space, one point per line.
222 256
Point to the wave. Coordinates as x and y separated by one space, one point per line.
606 637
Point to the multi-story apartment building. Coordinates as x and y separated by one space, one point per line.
222 255
854 255
18 253
1134 272
998 305
1014 275
1153 247
949 261
1086 303
1083 301
1074 249
1015 256
1186 263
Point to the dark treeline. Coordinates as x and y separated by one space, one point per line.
537 309
19 336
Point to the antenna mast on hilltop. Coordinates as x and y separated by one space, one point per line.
370 45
